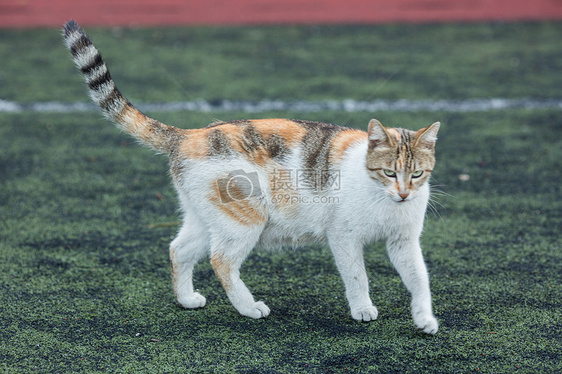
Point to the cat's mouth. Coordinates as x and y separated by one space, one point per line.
401 200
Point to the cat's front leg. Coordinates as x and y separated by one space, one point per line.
348 255
406 256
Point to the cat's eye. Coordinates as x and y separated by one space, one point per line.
417 173
389 173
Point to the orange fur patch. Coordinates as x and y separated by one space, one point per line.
197 144
288 130
173 270
222 270
343 141
234 133
234 203
132 118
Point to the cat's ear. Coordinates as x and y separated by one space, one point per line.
427 137
378 135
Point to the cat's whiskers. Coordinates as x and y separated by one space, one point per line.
432 208
434 204
382 198
437 191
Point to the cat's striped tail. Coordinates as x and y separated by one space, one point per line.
115 106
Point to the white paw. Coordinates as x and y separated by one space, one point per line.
427 323
256 311
368 313
194 301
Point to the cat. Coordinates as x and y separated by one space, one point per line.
278 182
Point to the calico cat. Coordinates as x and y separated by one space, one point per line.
277 182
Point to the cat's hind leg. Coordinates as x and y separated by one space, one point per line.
190 245
228 252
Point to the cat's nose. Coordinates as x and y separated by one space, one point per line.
403 195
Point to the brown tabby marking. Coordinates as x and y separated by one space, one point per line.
393 134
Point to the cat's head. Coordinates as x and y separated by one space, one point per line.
401 160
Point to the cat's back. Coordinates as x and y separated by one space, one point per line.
272 142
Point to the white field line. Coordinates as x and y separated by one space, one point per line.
470 105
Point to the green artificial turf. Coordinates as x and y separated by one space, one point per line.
85 284
299 63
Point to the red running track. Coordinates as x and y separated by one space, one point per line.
44 13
